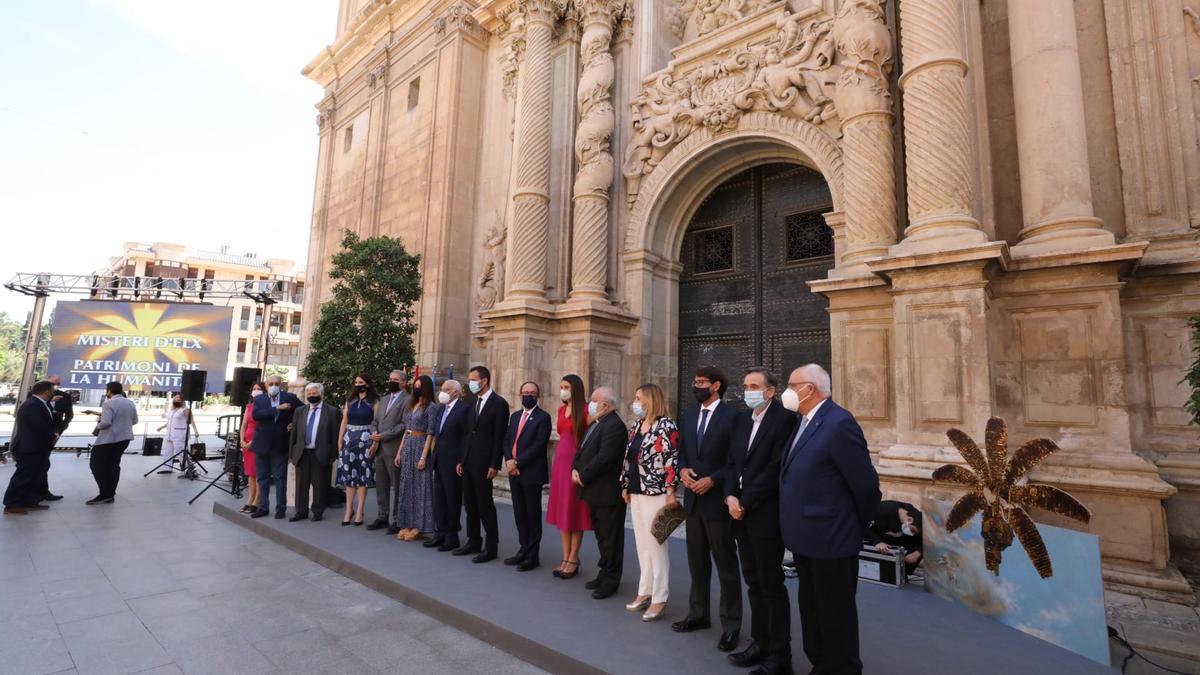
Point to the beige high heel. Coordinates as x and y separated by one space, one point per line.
655 616
638 606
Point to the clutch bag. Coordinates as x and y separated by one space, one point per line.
665 521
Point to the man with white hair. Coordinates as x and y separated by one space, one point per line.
450 432
313 447
828 494
597 472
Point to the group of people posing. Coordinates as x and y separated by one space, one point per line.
790 471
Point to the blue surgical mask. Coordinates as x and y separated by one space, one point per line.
638 411
473 385
753 399
593 409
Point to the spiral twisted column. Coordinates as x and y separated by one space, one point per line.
593 153
531 196
936 132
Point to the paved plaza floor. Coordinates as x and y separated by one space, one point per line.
150 584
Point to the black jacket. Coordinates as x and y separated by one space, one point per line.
34 430
752 474
599 461
325 435
531 447
709 460
64 410
485 436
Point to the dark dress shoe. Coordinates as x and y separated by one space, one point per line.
752 655
297 518
15 510
433 543
377 524
485 556
592 585
689 624
316 517
393 530
261 513
773 667
448 545
514 559
281 515
467 549
38 507
49 497
728 641
528 565
95 500
602 593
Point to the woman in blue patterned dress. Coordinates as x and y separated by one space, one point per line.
355 449
416 468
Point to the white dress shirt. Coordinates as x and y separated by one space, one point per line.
711 408
757 417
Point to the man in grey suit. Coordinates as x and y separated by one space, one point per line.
388 431
312 449
113 433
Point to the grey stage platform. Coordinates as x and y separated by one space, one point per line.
556 625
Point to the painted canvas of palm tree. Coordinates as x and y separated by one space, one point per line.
998 485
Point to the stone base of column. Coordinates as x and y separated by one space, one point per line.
940 234
1182 470
1063 235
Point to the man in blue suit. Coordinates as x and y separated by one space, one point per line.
706 434
33 440
828 493
449 437
525 445
272 414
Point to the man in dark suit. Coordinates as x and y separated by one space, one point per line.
63 408
313 446
597 472
272 414
479 462
525 446
33 439
828 494
450 436
706 433
752 497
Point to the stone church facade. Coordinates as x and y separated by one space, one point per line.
961 208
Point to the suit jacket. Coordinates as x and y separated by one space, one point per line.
709 460
64 410
752 474
531 446
389 424
484 446
828 488
34 431
271 425
450 437
117 419
325 435
599 461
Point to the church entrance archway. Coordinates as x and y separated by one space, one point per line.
747 253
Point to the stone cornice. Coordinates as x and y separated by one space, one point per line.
490 13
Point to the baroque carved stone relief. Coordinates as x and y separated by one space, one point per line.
690 19
491 279
457 17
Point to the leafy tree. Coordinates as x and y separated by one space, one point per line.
281 371
367 324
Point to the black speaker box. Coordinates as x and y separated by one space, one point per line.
152 447
191 385
239 390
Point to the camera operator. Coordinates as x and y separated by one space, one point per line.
897 524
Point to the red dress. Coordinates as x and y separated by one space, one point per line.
247 436
566 510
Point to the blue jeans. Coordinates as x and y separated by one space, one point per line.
272 464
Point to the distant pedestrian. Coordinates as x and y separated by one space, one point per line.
113 433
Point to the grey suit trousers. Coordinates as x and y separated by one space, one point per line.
387 482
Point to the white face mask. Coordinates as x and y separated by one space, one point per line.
256 392
273 390
593 409
564 394
474 386
639 411
753 399
791 400
443 397
906 529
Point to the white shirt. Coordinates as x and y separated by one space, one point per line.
757 417
483 400
316 425
711 407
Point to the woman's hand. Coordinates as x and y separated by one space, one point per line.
672 501
397 460
421 464
625 495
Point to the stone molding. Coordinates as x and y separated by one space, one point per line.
458 18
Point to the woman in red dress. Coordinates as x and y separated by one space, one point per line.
248 452
566 510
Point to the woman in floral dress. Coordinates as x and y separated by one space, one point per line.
355 451
415 515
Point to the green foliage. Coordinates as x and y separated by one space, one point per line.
12 349
367 324
283 372
1192 378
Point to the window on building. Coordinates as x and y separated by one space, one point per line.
348 138
210 274
414 94
808 236
714 250
241 350
244 324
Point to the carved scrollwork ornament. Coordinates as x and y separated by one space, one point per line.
377 76
325 117
457 17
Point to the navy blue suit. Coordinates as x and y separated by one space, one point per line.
828 493
270 446
709 527
526 487
451 436
32 441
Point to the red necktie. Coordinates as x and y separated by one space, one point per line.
520 428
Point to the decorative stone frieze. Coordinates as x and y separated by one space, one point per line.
696 18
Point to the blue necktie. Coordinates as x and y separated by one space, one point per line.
701 430
312 421
799 434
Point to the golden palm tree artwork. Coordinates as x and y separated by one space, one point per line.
998 485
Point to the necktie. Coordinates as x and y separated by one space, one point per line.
478 407
312 423
703 427
520 428
391 400
445 414
799 435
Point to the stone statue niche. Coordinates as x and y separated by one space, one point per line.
491 279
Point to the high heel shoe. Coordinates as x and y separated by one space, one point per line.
638 606
345 523
572 573
558 572
655 616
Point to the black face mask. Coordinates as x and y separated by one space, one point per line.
177 404
416 392
360 388
529 401
702 394
393 387
314 399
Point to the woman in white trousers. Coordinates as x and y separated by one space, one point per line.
178 419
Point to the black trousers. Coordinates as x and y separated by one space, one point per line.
26 480
609 524
828 614
770 610
269 465
481 509
711 540
42 489
527 511
311 474
447 499
106 466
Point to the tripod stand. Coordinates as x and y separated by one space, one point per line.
233 468
187 465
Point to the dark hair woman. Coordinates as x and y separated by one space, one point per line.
565 510
356 450
248 464
415 513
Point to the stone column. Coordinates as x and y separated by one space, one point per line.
865 105
593 178
531 195
936 133
1056 191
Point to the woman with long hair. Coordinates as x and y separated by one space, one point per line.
248 465
355 472
179 418
648 481
566 510
415 514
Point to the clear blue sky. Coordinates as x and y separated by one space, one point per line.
145 120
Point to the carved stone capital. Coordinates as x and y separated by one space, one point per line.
605 12
325 117
864 46
542 11
458 18
377 76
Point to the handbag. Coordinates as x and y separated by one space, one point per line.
665 521
199 452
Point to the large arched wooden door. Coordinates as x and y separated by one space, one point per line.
747 253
